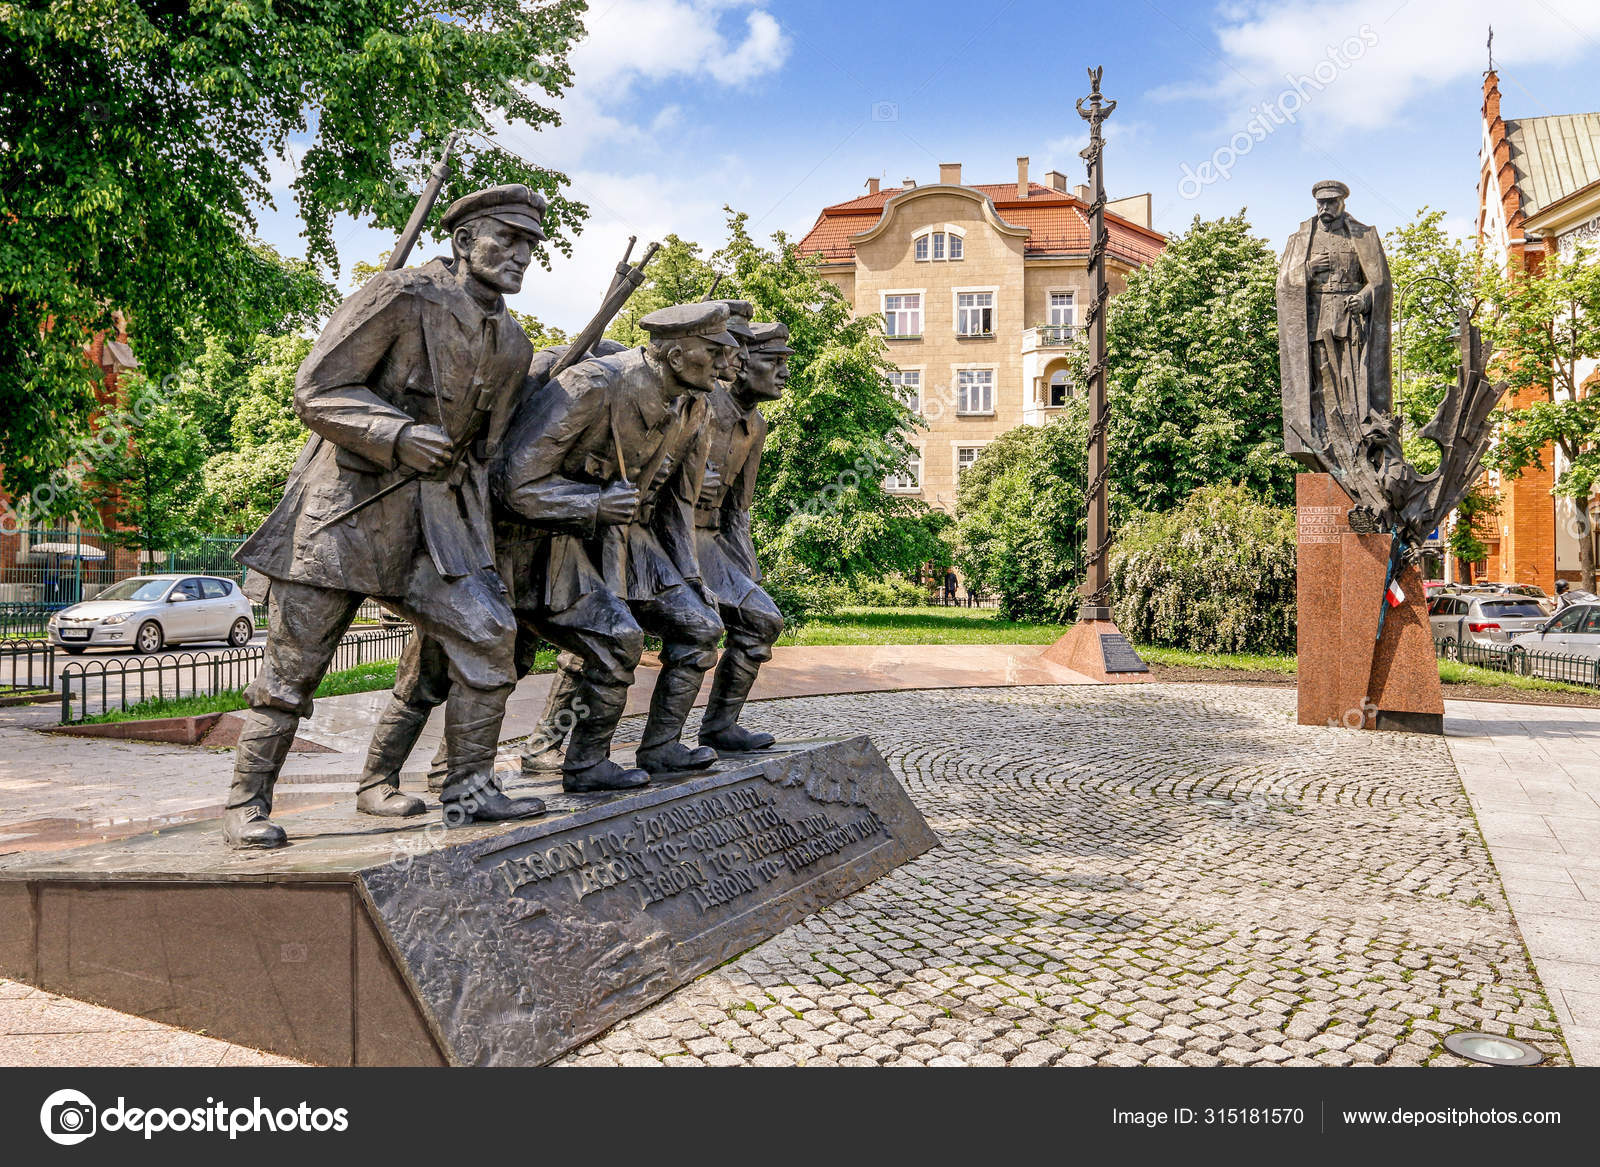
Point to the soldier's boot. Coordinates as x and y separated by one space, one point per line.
542 753
263 744
393 739
676 688
588 766
439 769
472 737
720 728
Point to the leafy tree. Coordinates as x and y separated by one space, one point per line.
1192 371
1021 515
244 479
143 481
1547 335
1435 276
677 275
135 138
542 335
1215 575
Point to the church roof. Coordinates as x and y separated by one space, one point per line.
1553 156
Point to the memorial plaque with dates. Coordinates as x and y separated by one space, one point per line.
1119 656
492 944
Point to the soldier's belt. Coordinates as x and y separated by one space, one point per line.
1334 289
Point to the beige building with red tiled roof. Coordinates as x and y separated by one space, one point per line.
982 290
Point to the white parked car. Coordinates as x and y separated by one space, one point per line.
149 612
1572 632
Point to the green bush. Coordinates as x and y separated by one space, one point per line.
1215 575
1020 518
889 593
801 593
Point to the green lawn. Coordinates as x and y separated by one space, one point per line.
937 625
922 626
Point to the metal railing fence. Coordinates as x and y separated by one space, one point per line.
1514 658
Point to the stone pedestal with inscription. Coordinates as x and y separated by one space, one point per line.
379 942
1097 649
1346 675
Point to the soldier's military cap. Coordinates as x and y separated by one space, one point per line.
708 318
770 337
739 313
511 203
1329 187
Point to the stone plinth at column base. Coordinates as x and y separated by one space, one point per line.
1097 650
1346 674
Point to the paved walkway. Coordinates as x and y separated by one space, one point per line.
1532 774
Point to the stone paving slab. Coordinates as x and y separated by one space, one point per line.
1172 875
1152 874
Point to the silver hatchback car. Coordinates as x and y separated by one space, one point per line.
149 612
1490 619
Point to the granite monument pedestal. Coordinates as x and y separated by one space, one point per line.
400 942
1346 675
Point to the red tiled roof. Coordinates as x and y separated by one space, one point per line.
1056 222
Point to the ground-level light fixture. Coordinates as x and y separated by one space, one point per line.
1492 1049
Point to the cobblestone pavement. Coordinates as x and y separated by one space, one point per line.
1161 875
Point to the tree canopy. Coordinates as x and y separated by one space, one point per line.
138 138
1192 371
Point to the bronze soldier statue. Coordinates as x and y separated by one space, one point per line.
1333 324
407 394
722 530
727 555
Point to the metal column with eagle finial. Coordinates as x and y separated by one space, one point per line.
1093 646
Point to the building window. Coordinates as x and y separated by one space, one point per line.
1060 391
965 456
975 391
957 245
909 482
908 383
902 315
921 247
1063 309
938 245
975 313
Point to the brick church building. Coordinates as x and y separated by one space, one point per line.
1538 196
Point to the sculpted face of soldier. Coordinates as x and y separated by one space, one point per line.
698 363
494 254
765 375
1330 209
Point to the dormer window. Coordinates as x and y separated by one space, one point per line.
939 245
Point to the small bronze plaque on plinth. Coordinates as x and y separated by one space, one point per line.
1119 656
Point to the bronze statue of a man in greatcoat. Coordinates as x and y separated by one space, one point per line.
1333 324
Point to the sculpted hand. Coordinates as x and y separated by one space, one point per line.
1321 263
423 447
706 594
1355 305
618 502
708 488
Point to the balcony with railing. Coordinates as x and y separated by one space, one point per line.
1050 336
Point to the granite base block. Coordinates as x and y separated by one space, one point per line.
401 942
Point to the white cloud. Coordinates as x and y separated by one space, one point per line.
1381 54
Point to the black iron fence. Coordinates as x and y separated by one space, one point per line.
1522 661
24 619
92 687
27 665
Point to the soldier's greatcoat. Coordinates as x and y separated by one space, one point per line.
722 516
412 346
1311 309
561 453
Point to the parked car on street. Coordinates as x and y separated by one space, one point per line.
1531 591
1573 632
148 612
1485 619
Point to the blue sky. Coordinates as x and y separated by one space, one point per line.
777 108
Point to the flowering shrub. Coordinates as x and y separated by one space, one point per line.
1215 575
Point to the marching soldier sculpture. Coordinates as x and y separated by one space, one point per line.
757 371
407 393
722 532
